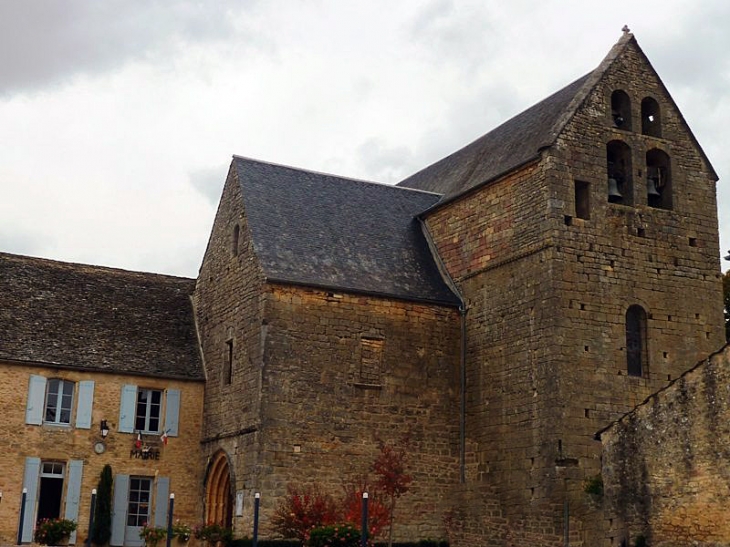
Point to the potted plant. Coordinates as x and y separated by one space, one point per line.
181 531
54 531
213 534
152 534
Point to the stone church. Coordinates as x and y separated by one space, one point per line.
500 308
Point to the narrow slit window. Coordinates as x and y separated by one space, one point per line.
235 239
636 338
582 200
228 364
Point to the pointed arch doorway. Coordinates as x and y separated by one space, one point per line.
218 501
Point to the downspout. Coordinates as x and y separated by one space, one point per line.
462 349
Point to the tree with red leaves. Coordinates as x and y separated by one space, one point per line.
302 510
390 466
378 512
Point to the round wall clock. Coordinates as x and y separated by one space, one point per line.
99 447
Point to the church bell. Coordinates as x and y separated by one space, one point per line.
651 188
613 189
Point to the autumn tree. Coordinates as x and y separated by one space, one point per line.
302 510
390 467
378 512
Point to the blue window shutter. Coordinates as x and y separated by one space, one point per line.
30 483
126 409
163 493
85 403
73 493
172 412
119 509
36 400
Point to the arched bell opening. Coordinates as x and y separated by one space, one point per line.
618 169
218 491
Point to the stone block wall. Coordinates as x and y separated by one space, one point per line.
64 443
341 372
547 294
665 465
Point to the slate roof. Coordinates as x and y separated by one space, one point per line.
321 230
94 318
512 144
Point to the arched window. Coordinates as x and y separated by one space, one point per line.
618 169
651 121
658 179
621 110
636 352
234 242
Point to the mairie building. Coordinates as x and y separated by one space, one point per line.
521 311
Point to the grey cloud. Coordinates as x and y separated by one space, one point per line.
209 182
384 163
22 242
47 42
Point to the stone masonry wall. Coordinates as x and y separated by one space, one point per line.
64 443
341 372
547 295
665 465
228 303
664 260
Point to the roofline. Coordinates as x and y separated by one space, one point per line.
694 367
332 175
534 159
108 269
276 281
46 364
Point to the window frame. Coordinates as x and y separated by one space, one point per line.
60 396
149 404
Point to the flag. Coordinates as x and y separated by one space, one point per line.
163 438
138 442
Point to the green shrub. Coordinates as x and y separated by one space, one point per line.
342 535
594 485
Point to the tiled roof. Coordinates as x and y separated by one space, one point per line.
321 230
93 318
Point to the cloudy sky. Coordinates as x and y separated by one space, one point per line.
118 118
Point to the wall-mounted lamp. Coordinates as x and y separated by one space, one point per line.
104 429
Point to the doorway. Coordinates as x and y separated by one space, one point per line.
218 504
51 491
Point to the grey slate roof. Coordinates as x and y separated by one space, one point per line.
94 318
503 149
321 230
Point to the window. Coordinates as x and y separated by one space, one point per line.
618 170
147 415
636 352
658 179
143 410
582 200
140 497
371 360
651 123
228 363
59 397
621 110
234 241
